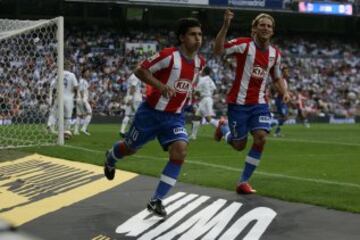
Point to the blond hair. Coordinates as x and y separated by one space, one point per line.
260 16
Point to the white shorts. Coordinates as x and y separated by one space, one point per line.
205 107
130 110
68 107
83 108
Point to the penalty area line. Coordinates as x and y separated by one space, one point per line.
218 166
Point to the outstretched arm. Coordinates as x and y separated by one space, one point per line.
220 37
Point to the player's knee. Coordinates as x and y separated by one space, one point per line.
126 151
260 139
239 145
178 150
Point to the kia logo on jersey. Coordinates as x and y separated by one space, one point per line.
182 86
258 72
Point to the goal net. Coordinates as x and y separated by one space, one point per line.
31 57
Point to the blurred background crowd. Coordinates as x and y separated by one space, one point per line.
326 71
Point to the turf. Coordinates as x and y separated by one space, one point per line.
318 165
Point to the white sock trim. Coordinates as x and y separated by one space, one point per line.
168 180
252 161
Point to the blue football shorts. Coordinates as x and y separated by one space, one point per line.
149 124
247 118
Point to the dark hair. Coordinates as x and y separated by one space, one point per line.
183 25
207 70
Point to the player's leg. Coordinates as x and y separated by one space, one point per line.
125 121
195 126
141 131
68 109
200 113
124 124
209 113
283 113
306 114
259 124
52 119
195 119
169 176
234 130
87 118
173 138
79 112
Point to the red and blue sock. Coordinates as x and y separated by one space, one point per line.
168 178
251 162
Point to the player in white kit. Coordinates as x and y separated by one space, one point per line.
132 101
70 90
51 123
205 88
83 108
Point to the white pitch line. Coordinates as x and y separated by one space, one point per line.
314 141
285 139
217 166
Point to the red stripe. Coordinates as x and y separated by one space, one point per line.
177 162
258 148
122 149
253 91
240 59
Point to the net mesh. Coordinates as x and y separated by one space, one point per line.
28 64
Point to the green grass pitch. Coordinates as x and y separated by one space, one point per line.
318 165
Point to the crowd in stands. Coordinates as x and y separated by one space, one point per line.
326 71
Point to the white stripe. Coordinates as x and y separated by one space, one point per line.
313 141
164 63
168 180
174 76
252 161
235 49
246 75
272 55
216 166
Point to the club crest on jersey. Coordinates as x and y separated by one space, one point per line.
258 72
182 86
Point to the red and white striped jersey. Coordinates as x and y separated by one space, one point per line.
253 66
174 70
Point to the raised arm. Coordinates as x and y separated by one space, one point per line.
220 37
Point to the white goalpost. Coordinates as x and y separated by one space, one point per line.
31 70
